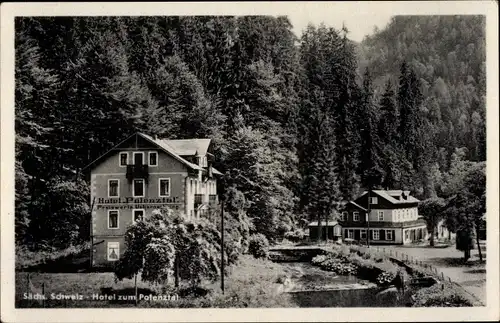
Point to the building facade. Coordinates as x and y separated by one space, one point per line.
393 218
333 229
142 174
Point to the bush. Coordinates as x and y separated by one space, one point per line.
385 278
258 246
318 260
437 295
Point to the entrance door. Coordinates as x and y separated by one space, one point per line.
138 158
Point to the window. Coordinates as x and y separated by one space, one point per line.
123 159
137 215
164 187
407 235
388 235
355 216
380 216
113 219
153 158
113 187
343 217
373 200
350 234
363 234
138 158
138 187
376 235
113 251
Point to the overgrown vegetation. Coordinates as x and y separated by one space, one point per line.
293 121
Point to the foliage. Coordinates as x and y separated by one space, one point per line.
296 128
258 246
165 244
436 295
432 211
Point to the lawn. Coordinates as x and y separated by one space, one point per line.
250 283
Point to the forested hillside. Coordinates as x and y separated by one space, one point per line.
448 56
296 129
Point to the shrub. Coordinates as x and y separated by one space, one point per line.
318 260
258 246
443 296
385 278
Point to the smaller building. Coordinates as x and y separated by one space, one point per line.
392 218
334 230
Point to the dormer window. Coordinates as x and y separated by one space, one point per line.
123 159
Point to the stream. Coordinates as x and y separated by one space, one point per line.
311 286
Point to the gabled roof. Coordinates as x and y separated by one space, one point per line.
390 196
357 205
159 143
189 147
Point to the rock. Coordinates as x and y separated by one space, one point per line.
389 290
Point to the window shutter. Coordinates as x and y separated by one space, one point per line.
382 234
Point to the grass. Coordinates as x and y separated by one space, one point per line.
250 283
27 259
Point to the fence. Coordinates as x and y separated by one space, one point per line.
412 262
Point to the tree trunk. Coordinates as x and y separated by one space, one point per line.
135 288
478 245
176 270
432 238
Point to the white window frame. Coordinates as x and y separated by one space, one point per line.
387 235
378 234
117 189
361 232
120 159
137 153
355 216
350 233
108 246
149 158
117 219
169 186
344 215
143 187
133 214
378 215
373 200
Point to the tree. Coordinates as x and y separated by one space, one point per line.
370 159
432 211
164 243
467 208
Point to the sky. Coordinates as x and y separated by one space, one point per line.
358 24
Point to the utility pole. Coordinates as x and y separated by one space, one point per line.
91 234
222 246
368 218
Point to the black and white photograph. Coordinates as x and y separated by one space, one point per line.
334 158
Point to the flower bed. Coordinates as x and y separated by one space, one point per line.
347 261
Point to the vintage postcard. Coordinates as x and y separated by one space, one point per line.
267 161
